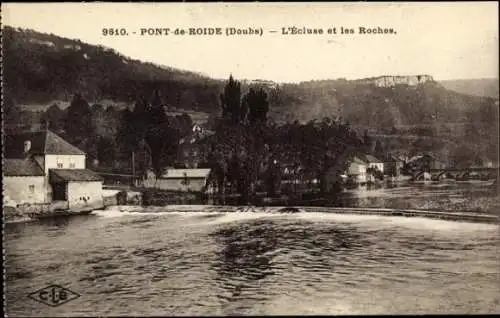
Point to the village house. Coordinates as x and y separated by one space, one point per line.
374 163
425 162
42 168
393 166
182 180
356 170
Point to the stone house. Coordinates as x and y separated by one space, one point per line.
42 168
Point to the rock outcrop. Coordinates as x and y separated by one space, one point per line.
391 81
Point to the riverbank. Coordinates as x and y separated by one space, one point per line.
477 202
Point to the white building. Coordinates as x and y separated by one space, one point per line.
41 167
357 170
183 180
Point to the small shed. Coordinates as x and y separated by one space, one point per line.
82 188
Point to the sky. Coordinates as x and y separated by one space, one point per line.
445 40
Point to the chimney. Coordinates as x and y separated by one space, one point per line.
27 146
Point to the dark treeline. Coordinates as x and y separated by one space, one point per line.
110 136
247 148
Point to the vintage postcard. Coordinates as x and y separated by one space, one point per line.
250 159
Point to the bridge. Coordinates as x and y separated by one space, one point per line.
478 173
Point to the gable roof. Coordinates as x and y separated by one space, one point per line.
392 158
358 160
42 142
21 168
185 173
371 159
65 175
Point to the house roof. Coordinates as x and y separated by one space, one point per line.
42 142
394 159
358 160
21 168
185 173
371 159
65 175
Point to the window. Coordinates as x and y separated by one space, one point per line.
72 165
59 165
31 188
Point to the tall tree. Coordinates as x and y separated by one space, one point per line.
54 118
257 104
163 143
156 109
379 150
230 100
106 151
78 126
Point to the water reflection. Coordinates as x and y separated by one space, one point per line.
246 254
444 196
258 250
256 264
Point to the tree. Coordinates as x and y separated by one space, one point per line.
184 123
230 99
379 150
78 126
128 137
273 177
163 143
257 104
106 151
367 141
155 114
11 112
325 149
54 118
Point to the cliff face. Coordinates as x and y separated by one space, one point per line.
391 81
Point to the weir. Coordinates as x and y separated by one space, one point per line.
469 217
450 216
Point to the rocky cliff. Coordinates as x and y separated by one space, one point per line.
391 81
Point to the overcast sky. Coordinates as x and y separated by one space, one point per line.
445 40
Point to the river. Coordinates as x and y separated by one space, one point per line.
144 261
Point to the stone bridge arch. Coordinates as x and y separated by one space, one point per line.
447 174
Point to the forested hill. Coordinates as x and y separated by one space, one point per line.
479 87
40 68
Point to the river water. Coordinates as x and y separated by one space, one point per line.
142 261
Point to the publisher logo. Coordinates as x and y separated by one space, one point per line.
54 295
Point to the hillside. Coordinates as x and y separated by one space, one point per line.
41 70
487 87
